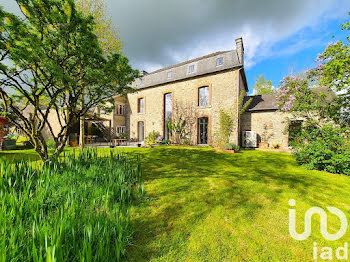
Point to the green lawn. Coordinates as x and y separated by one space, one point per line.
203 205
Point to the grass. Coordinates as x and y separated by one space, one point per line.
203 205
75 209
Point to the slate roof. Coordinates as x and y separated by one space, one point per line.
261 102
203 65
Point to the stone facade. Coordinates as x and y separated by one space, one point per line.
223 94
271 127
222 73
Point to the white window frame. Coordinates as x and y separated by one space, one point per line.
191 66
120 129
219 59
120 110
170 74
139 109
208 98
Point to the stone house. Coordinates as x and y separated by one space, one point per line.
196 91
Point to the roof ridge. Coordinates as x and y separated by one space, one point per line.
190 61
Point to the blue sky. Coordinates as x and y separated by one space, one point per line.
279 36
289 59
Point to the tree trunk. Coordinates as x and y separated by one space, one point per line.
82 126
82 133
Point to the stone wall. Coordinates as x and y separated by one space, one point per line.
271 127
223 89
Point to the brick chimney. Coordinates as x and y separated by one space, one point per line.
240 50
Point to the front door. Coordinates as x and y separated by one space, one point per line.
203 130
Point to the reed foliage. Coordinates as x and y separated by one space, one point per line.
75 208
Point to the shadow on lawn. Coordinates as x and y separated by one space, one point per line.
19 155
184 185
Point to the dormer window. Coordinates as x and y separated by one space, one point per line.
219 61
170 74
191 69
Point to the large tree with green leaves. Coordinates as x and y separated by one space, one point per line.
322 99
48 60
107 33
262 86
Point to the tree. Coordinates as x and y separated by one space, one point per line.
263 87
108 37
227 119
107 34
182 124
333 72
53 53
322 99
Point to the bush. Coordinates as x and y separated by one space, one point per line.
152 138
326 148
51 144
231 146
74 209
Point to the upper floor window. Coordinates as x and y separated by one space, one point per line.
170 74
191 69
219 61
141 105
203 96
120 110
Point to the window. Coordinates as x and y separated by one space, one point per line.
142 81
140 131
219 61
120 130
120 110
168 112
203 96
170 74
141 105
191 69
202 128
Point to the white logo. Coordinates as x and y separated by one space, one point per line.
323 219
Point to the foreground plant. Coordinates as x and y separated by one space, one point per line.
51 62
73 209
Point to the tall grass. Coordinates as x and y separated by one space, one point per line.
74 209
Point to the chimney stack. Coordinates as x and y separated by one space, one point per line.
240 50
143 73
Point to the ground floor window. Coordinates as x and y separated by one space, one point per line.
140 131
168 112
202 130
121 130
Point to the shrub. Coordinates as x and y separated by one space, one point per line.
152 138
74 209
51 144
231 146
187 141
326 148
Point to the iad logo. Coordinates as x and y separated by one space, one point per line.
323 218
326 252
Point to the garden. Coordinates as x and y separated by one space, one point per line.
189 204
165 202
